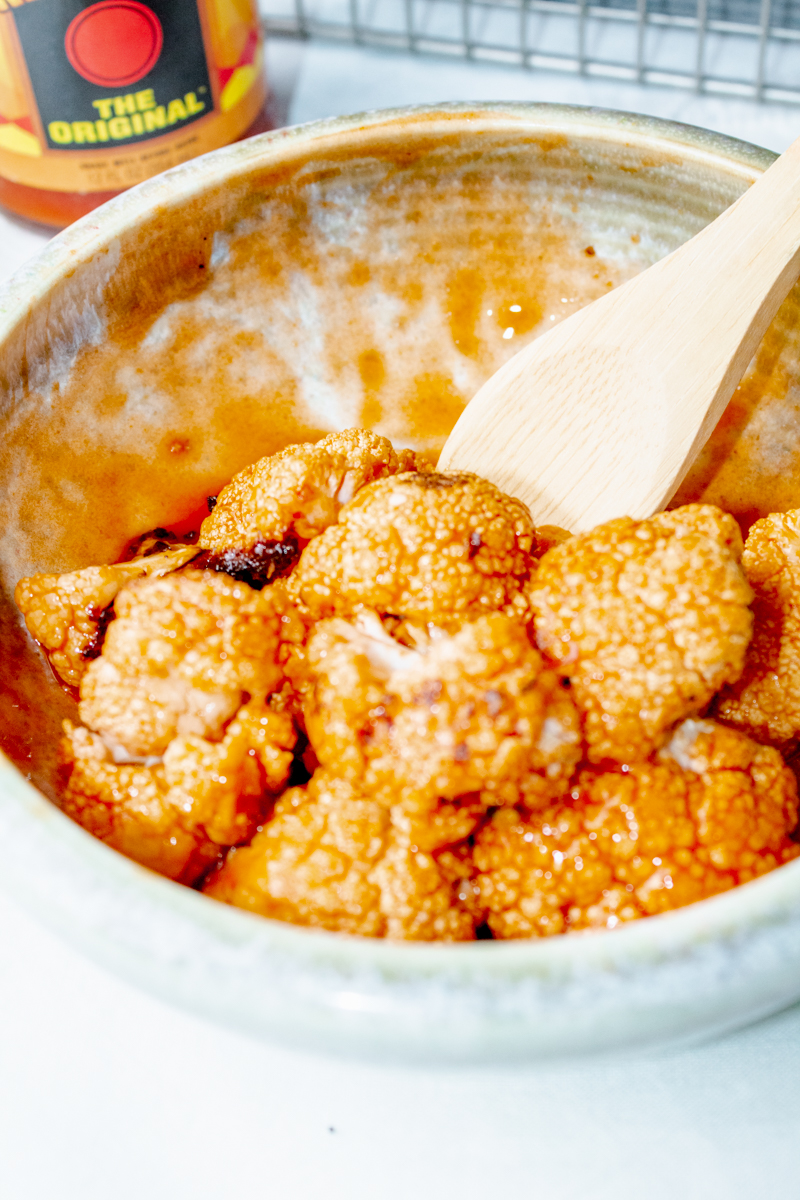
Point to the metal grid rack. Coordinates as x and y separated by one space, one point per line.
748 48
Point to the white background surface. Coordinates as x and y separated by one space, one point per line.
107 1094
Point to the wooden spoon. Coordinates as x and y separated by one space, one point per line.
604 414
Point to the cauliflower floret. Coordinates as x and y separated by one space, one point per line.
430 548
331 858
173 814
475 711
648 619
426 897
765 700
130 809
181 656
295 495
713 810
222 784
68 614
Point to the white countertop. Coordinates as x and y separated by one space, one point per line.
107 1094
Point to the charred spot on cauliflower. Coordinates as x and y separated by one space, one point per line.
297 493
330 858
713 810
68 614
472 712
257 565
156 541
437 548
648 619
765 700
181 656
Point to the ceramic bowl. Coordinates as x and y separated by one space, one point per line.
371 270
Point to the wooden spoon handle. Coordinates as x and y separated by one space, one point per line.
627 391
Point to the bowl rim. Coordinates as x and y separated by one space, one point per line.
47 838
93 232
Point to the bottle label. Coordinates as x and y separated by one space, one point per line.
98 97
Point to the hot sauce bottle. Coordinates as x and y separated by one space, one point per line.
97 97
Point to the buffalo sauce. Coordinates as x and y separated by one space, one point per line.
95 98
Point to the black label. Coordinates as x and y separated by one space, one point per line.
114 72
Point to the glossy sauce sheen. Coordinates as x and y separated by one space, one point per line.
376 287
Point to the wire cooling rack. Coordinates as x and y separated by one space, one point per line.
747 48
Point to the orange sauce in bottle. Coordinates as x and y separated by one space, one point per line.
97 97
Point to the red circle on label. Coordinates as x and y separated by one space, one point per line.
114 43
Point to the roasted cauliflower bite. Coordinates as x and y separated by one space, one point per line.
472 712
224 784
330 857
712 810
182 655
66 613
765 700
648 619
300 490
130 809
173 814
430 548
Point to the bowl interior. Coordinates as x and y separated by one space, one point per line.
365 272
